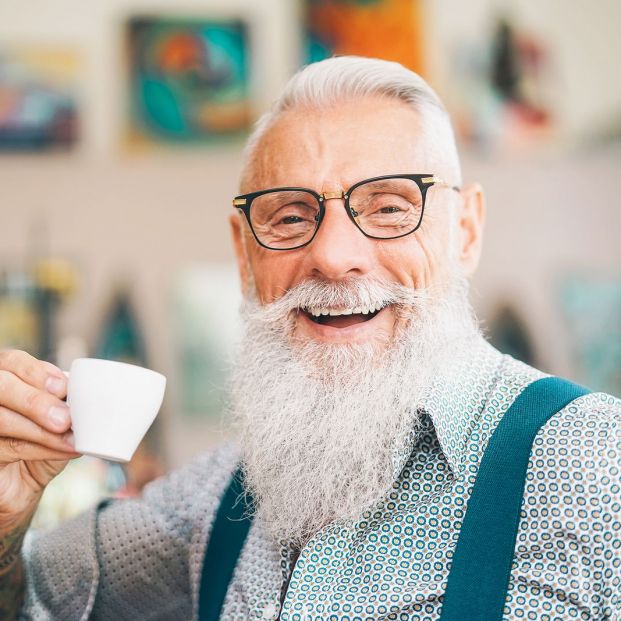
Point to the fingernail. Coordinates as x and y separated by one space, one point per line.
59 416
69 439
54 385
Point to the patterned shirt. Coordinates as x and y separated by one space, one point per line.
141 558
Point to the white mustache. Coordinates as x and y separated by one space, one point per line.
320 424
361 292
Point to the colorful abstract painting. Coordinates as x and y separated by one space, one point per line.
388 29
38 100
188 79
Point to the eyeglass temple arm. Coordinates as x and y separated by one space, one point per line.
441 183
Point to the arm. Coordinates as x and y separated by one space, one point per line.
34 448
569 552
609 484
12 585
128 559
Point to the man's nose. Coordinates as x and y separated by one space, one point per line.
339 249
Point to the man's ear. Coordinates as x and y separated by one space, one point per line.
239 244
470 227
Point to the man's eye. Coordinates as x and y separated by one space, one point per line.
391 209
291 220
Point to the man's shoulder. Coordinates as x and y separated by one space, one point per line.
210 462
596 406
201 480
589 425
515 376
594 417
580 449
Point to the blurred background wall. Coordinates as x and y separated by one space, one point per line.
113 227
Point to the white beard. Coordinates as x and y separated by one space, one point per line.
321 425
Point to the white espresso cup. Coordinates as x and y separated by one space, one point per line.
112 405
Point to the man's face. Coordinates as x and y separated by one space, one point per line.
328 151
320 446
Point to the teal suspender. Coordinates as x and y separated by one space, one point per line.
479 575
228 535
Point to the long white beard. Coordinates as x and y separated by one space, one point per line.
321 425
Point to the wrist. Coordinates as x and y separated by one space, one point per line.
11 539
18 516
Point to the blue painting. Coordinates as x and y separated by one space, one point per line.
189 79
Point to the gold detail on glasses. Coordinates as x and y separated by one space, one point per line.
328 195
238 202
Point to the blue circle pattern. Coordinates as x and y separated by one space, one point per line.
393 562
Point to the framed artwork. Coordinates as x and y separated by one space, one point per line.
389 29
38 98
189 81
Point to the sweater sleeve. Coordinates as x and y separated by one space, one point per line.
127 559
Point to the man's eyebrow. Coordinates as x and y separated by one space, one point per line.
389 183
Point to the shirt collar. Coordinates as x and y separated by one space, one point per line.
456 400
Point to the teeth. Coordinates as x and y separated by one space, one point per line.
359 310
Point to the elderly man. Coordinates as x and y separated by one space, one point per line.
364 397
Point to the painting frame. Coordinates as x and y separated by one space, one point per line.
188 78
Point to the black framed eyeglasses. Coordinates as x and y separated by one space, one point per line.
386 207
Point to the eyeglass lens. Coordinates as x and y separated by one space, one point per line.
284 219
385 209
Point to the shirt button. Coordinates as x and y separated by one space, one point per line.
270 612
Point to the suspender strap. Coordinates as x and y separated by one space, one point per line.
481 567
226 541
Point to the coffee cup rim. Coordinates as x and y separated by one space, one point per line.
115 362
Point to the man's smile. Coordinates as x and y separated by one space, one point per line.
345 324
342 318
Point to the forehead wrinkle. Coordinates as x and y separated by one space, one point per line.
300 148
293 153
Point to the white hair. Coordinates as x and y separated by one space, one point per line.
321 425
348 78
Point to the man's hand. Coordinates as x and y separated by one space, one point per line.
35 441
35 445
